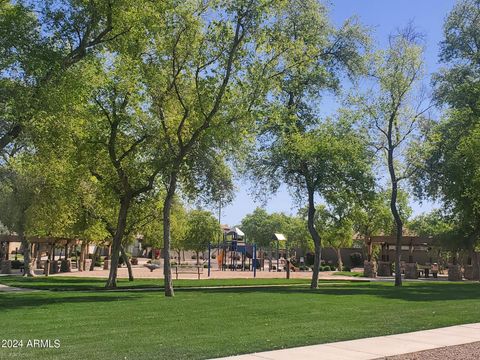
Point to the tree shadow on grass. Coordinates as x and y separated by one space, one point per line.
70 283
416 292
12 301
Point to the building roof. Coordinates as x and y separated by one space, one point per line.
406 240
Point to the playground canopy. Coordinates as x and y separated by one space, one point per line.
279 237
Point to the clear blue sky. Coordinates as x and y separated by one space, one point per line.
383 16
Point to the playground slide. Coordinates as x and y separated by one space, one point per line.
220 258
294 268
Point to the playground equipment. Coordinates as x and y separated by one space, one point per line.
233 253
236 254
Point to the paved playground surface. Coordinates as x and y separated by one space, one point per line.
379 347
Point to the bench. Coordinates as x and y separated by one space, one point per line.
152 267
188 270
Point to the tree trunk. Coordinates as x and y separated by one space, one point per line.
167 207
95 255
81 262
316 239
27 258
117 240
396 216
127 262
3 250
477 262
339 256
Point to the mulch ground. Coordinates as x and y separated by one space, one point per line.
464 352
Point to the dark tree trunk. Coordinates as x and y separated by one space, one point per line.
316 239
95 256
198 258
117 240
396 216
126 260
477 262
81 262
167 207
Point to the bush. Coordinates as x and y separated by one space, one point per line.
326 268
346 268
63 266
356 259
17 264
194 257
205 266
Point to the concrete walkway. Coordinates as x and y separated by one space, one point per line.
376 347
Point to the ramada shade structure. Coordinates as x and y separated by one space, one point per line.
421 243
48 243
41 240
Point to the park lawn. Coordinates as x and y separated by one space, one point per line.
206 323
349 273
65 283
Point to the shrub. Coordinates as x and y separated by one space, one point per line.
205 266
346 268
63 266
356 259
326 268
17 264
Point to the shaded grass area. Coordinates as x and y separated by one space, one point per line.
64 283
206 323
349 273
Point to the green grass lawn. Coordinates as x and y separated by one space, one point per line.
64 283
349 273
205 323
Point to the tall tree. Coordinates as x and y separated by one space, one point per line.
118 131
395 107
449 158
201 89
329 158
295 146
